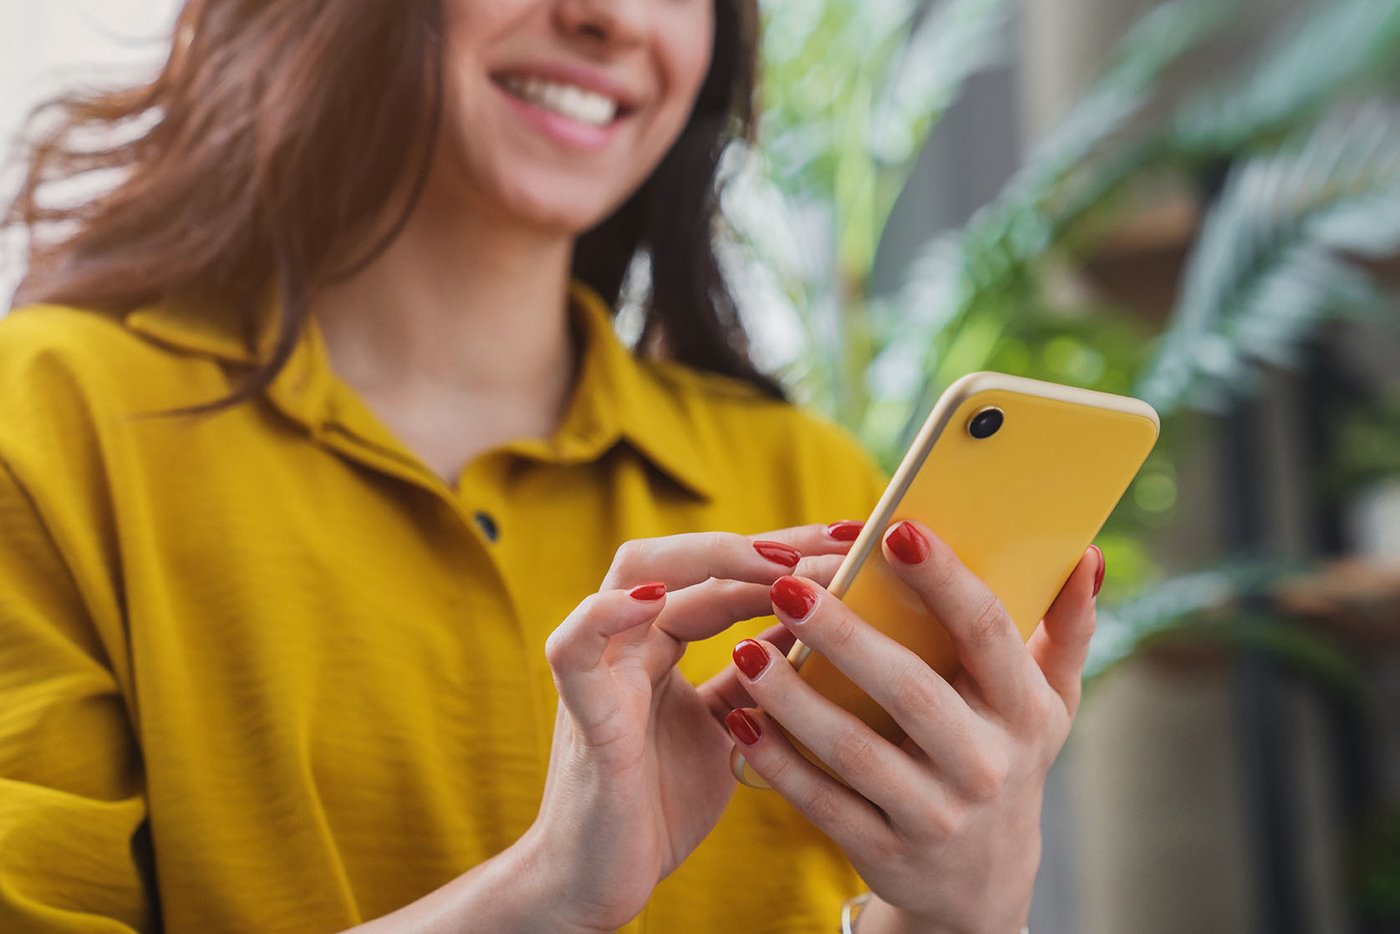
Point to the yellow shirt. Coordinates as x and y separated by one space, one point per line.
265 671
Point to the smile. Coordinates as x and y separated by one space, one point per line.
566 100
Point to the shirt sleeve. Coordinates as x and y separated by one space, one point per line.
74 843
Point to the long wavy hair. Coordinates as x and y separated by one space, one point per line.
278 134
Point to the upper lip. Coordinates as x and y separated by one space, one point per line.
579 75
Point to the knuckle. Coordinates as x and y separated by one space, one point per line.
629 553
986 777
885 849
1036 709
944 822
853 753
556 649
914 693
560 645
822 805
777 772
989 621
720 541
842 631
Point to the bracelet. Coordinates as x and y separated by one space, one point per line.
851 910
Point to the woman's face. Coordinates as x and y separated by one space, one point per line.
557 110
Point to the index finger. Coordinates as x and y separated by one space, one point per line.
693 557
987 643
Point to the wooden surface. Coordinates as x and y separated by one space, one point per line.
1357 598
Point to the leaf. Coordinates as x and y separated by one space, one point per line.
1159 39
1005 239
1332 46
1170 604
1272 259
950 42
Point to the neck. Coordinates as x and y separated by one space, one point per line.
456 305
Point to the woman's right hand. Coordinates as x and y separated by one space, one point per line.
639 771
639 768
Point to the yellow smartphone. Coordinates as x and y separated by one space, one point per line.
1017 475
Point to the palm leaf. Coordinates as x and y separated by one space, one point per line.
1329 48
948 44
1004 240
1272 260
1210 606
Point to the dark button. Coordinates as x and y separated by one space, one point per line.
487 525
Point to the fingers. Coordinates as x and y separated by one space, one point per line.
817 539
866 761
707 609
987 643
924 705
681 561
576 651
726 690
854 823
1061 643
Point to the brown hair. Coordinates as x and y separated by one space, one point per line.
277 134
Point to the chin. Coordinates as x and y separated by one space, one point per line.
567 208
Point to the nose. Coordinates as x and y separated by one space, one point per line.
606 22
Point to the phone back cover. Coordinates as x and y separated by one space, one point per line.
1019 508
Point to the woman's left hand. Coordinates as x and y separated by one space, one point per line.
944 828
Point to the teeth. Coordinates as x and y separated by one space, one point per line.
567 100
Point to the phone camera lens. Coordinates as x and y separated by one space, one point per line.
986 423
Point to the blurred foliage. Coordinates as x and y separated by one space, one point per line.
1377 869
1296 154
1369 441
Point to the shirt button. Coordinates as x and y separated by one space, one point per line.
487 525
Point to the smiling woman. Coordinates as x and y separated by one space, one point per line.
354 572
291 141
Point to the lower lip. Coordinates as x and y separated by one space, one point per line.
561 128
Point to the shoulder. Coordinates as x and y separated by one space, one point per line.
70 377
757 446
45 345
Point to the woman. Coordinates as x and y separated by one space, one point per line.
318 442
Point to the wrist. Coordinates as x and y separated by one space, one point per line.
537 867
880 917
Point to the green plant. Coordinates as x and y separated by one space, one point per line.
1304 137
1369 446
1276 257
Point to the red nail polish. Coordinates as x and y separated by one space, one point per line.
751 658
1103 566
793 597
778 553
644 592
845 531
907 544
743 727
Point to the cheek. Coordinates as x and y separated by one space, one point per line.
686 51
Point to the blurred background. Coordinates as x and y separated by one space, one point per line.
1193 202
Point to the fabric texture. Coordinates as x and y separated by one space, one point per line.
265 671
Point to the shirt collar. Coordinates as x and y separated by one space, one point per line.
616 397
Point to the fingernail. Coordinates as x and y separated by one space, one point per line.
742 726
1103 566
751 658
778 553
907 544
793 597
653 591
845 531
